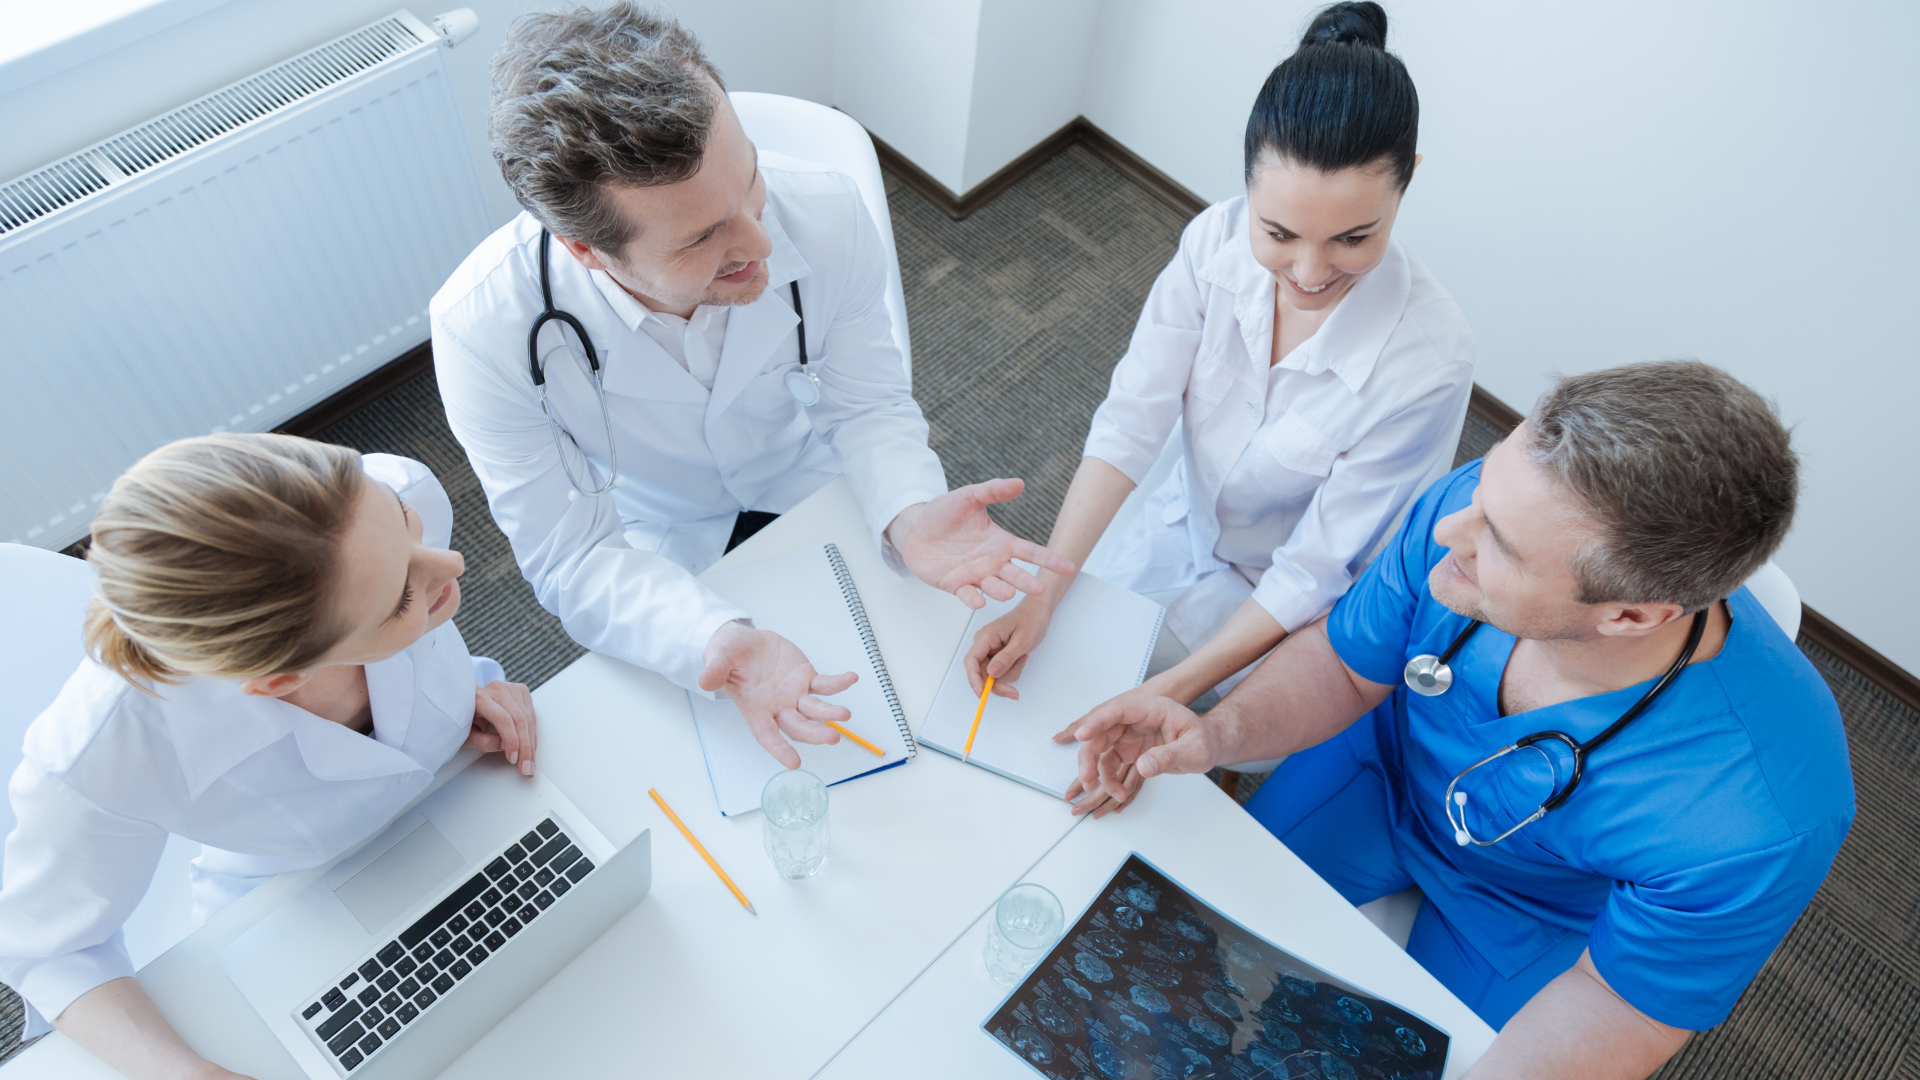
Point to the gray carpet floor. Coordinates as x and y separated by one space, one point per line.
1018 314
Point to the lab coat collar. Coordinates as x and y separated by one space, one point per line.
214 728
1234 269
625 308
1349 343
754 330
784 263
643 369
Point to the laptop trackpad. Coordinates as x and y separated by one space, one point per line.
392 883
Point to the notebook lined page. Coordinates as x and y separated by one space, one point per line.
1097 646
799 597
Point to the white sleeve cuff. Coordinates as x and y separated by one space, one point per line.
883 520
50 985
1289 606
1131 457
700 637
487 670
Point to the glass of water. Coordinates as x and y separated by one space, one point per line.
1026 922
793 809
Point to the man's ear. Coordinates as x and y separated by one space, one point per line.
582 253
1637 620
276 685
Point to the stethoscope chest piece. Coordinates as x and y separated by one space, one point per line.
1428 675
804 385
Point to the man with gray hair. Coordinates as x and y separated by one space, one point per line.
708 347
1615 780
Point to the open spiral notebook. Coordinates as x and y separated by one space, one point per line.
1097 646
808 598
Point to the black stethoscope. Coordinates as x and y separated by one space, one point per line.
1430 676
803 384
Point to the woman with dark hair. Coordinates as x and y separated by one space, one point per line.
1321 373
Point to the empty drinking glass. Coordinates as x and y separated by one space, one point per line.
794 808
1025 924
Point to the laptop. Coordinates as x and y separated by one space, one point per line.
406 952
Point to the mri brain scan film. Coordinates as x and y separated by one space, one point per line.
1149 999
1092 967
1174 949
1053 1017
1183 991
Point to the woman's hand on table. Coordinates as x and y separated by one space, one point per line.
1131 739
775 687
1000 648
503 723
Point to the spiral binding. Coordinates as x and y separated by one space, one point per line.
873 647
1159 627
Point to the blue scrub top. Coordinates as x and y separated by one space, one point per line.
1696 838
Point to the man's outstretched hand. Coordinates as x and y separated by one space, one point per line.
951 544
773 685
1132 739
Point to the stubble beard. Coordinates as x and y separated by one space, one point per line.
741 295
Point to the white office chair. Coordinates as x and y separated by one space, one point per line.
1776 592
43 603
816 133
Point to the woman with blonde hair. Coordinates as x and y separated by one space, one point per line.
272 671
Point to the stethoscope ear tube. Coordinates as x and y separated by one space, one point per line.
560 436
803 384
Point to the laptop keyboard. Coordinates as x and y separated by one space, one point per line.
376 999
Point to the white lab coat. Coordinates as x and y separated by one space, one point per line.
265 786
1293 472
618 570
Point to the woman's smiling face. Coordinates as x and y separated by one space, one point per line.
1317 233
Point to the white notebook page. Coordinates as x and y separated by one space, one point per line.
798 597
1096 647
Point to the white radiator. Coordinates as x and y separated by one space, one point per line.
224 266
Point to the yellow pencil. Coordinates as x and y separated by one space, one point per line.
688 833
842 729
977 714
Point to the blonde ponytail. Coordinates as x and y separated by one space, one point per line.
216 555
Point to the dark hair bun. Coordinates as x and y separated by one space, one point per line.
1341 101
1363 23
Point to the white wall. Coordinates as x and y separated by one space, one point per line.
1029 80
1630 181
962 87
782 47
1601 184
904 68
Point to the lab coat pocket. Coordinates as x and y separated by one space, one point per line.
767 399
1293 457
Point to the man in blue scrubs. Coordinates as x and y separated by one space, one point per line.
1600 935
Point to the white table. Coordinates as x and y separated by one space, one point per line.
689 984
1199 837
